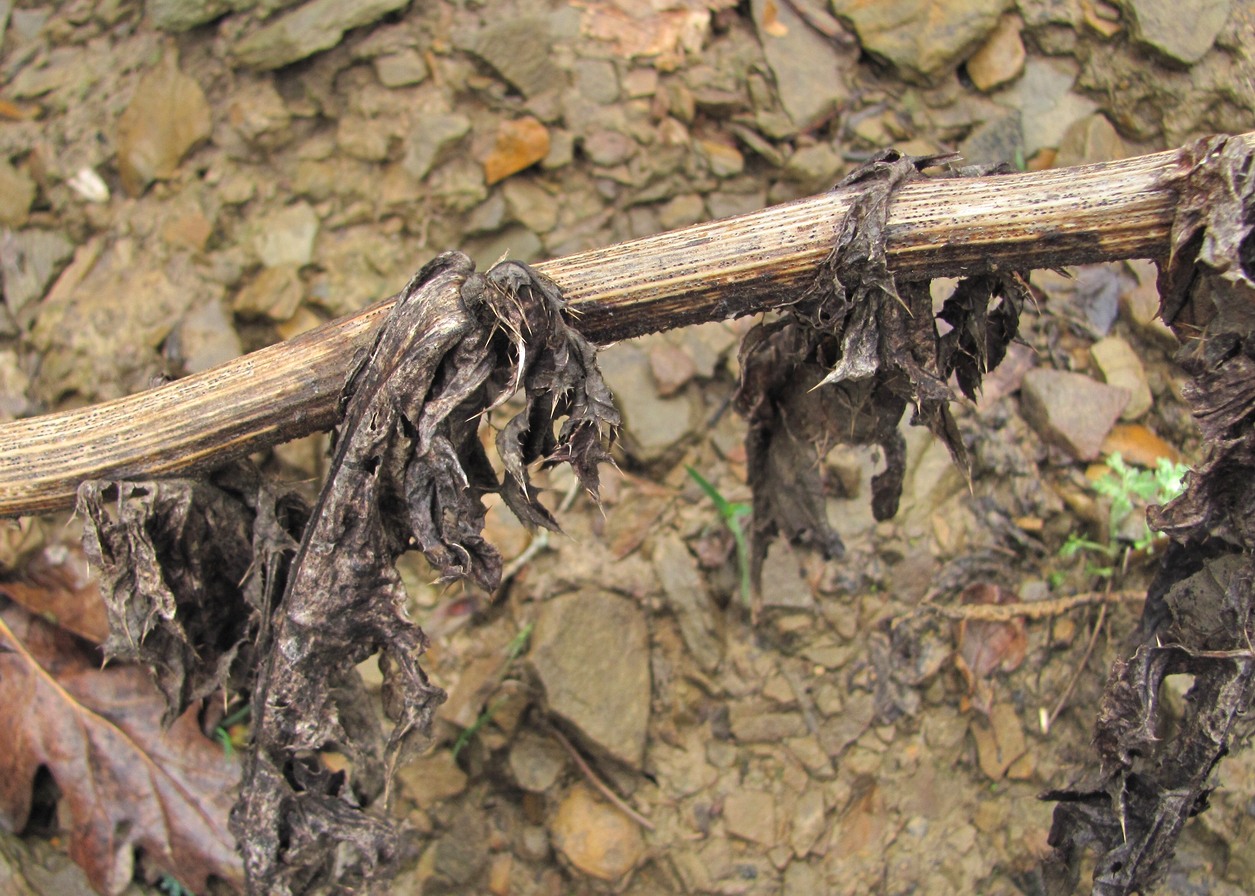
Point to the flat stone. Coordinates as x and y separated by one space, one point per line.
682 211
363 138
530 204
782 583
608 148
184 15
1046 102
429 142
28 261
1121 367
431 779
814 167
536 761
286 237
519 144
653 425
1000 58
1183 34
723 160
167 116
315 26
689 600
922 39
596 80
757 722
400 69
520 49
596 630
1000 741
17 192
807 67
995 141
205 338
1070 410
594 836
751 815
1091 139
274 294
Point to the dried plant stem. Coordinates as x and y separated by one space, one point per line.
1038 609
1048 720
945 227
602 787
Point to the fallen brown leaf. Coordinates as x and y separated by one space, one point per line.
128 784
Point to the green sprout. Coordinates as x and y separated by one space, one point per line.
513 651
732 513
1130 490
172 887
222 733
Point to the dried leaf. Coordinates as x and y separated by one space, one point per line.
128 782
850 355
57 585
187 568
409 471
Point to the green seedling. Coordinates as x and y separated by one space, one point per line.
172 887
513 651
222 734
1130 490
732 513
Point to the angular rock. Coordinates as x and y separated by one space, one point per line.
28 261
996 141
286 237
184 15
530 204
17 192
1092 139
596 80
689 600
275 294
167 116
594 836
722 159
427 143
806 66
519 144
1047 105
316 26
595 630
431 779
751 815
1000 58
1070 410
923 39
205 339
652 425
400 69
1121 367
1181 34
536 761
520 49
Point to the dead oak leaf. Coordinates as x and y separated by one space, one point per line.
127 783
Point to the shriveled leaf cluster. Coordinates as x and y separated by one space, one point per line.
1200 611
842 364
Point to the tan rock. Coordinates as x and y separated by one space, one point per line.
430 779
167 116
519 144
594 836
751 815
1000 58
17 192
1121 367
275 293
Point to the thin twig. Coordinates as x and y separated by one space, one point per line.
602 787
1038 609
1048 720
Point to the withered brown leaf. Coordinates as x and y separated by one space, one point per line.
128 782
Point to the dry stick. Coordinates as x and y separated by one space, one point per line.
602 787
713 271
1038 609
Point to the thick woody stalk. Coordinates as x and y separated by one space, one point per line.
742 265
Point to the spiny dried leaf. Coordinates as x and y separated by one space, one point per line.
128 782
1200 611
409 471
183 564
853 351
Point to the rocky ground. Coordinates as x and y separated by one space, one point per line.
182 181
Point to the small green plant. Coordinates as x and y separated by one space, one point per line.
513 651
1130 490
172 887
732 513
223 734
